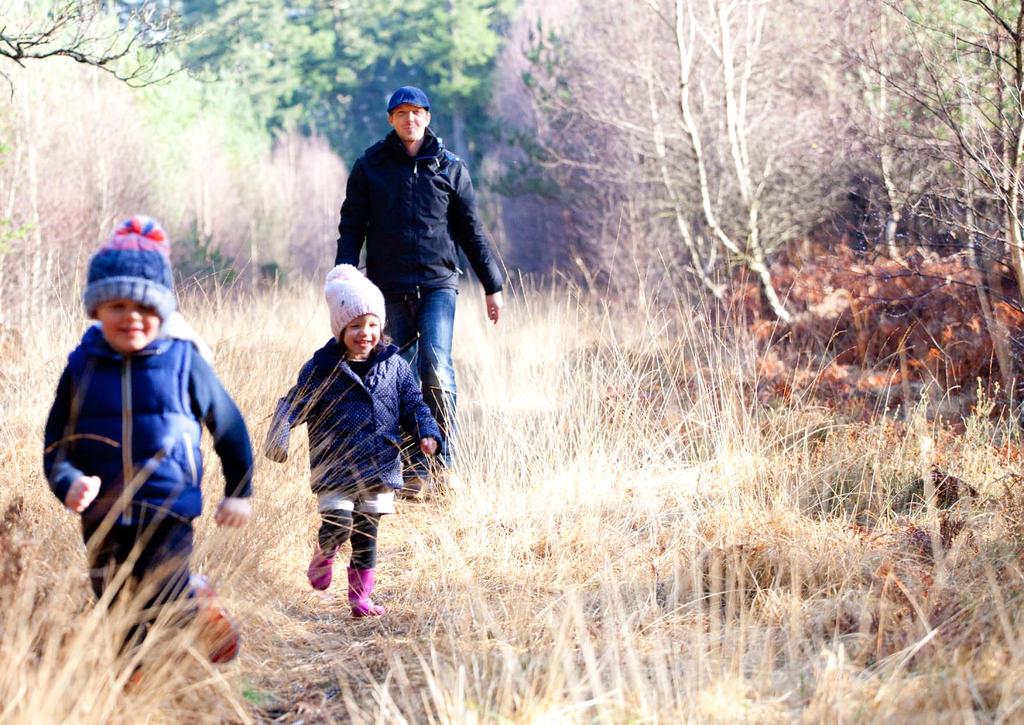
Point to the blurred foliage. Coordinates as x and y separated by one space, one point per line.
226 112
330 67
197 258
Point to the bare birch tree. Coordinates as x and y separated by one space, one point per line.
712 126
972 76
733 32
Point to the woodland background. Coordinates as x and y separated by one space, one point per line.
744 446
851 169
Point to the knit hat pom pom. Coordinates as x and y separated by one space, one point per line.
142 233
343 273
134 264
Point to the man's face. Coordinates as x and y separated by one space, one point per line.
410 122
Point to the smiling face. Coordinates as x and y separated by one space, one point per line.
127 326
410 122
360 336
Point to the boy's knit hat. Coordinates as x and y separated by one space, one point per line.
350 294
135 265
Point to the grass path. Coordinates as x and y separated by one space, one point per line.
642 538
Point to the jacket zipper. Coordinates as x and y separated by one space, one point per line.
412 204
126 437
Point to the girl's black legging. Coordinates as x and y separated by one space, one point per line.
339 526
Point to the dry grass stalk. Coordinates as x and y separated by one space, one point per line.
640 539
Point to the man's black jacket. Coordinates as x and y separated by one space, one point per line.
412 212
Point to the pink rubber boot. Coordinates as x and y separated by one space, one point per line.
321 568
360 587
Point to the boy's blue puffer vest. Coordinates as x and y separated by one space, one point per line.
134 422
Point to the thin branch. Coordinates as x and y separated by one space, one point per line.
70 32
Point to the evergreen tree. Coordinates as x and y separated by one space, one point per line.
277 51
447 47
331 66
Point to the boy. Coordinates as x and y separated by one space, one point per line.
122 437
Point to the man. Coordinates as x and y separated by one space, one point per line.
412 202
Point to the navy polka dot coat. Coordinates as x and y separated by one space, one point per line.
354 425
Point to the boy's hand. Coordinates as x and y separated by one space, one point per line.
428 446
82 493
233 512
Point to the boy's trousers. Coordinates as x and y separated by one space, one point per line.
157 553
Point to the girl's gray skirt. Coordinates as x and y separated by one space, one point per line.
367 499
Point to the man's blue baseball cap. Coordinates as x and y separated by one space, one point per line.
408 94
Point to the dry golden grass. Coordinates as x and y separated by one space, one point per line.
639 539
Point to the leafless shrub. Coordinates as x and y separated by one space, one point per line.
700 155
67 172
308 184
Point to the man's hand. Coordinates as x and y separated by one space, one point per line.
82 493
428 446
494 305
233 512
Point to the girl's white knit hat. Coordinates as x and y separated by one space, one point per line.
350 294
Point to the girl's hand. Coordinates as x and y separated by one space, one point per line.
82 493
233 512
428 446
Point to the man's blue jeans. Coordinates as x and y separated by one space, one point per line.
421 324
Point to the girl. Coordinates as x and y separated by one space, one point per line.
354 394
